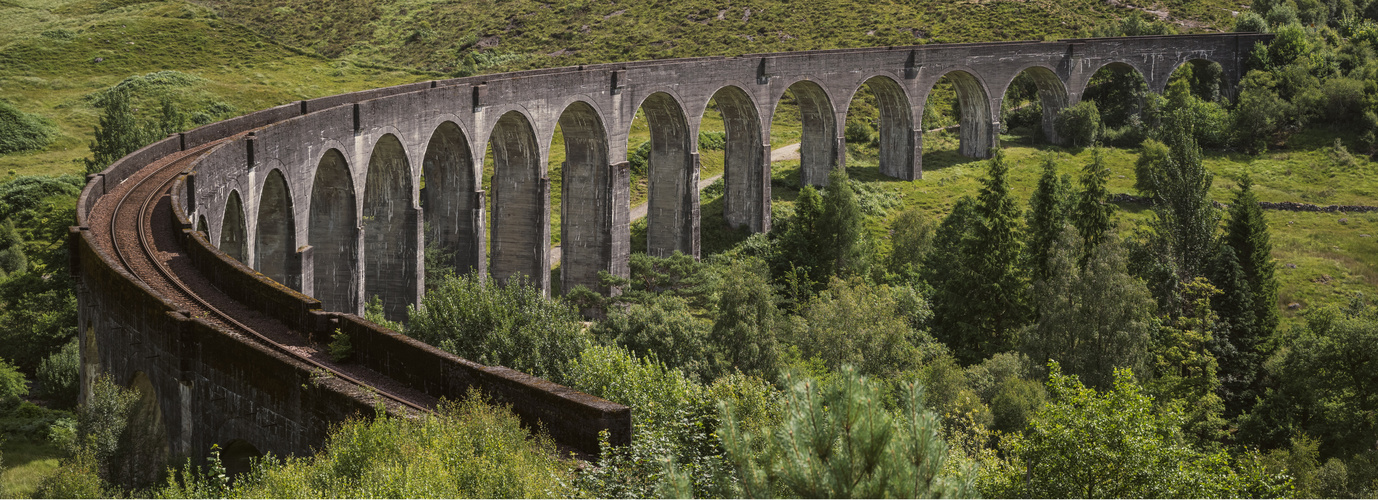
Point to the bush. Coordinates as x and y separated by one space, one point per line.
711 141
859 324
77 477
13 386
1250 22
20 131
835 440
640 159
512 325
1079 125
467 449
858 133
59 375
664 327
1341 100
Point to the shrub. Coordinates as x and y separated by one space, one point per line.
859 324
712 141
341 348
1341 100
835 440
467 449
640 159
77 477
59 375
512 325
1079 125
665 327
13 386
858 133
20 131
1250 22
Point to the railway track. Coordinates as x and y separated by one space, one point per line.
134 211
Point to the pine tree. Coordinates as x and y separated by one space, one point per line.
842 228
1247 233
1049 208
944 269
1247 240
1234 343
981 303
1093 215
118 134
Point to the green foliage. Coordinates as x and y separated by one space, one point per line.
825 238
59 375
1118 92
674 447
1185 220
1186 371
12 257
373 311
13 385
1093 318
20 131
78 477
835 440
980 305
1321 384
119 132
709 141
664 327
1152 155
1079 124
911 238
640 159
1255 313
1085 444
102 423
467 449
1049 209
858 324
510 324
747 322
341 348
1250 22
1093 215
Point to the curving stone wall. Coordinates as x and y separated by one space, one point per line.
336 198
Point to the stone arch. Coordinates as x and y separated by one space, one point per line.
746 162
390 230
586 198
234 231
334 235
450 198
521 202
237 456
147 435
977 136
672 179
201 225
1052 97
820 149
1110 116
897 131
1207 82
275 248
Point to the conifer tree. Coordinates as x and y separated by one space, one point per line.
1234 343
1049 208
118 134
842 227
172 120
1247 234
982 302
1183 239
1093 213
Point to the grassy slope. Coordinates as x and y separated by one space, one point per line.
48 49
26 463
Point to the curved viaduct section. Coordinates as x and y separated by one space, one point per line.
300 213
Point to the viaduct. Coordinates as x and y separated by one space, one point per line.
297 214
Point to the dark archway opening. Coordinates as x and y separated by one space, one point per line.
586 198
1029 108
671 178
390 225
334 235
521 227
234 232
275 247
450 204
